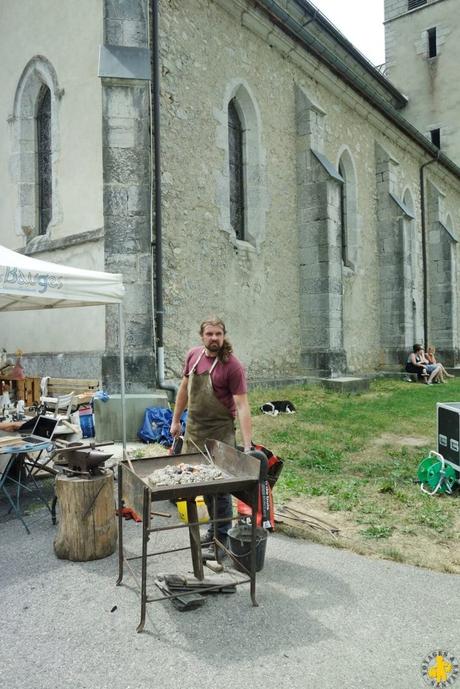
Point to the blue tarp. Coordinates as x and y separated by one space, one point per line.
157 424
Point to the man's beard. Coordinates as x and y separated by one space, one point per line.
213 347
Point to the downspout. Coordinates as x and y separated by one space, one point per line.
156 218
424 248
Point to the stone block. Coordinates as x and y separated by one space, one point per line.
125 165
140 372
135 33
127 100
29 217
127 235
145 266
72 365
137 298
27 194
346 384
125 9
121 137
108 415
115 200
114 32
138 331
328 361
139 199
127 264
27 164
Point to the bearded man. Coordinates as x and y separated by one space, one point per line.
214 390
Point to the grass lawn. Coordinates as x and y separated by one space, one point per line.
352 459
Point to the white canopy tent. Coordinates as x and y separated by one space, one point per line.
28 283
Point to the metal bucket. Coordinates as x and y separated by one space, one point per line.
240 546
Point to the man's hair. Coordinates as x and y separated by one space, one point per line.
226 349
417 347
214 322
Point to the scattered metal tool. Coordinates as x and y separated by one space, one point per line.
287 514
187 601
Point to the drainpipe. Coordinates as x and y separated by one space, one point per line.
157 243
424 247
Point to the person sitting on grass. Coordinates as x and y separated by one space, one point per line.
418 364
431 358
433 370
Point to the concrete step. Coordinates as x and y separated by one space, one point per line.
346 384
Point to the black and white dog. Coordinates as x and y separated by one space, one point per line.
277 407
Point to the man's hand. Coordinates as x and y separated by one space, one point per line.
176 428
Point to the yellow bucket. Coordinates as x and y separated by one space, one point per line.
200 506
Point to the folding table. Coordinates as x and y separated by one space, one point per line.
17 471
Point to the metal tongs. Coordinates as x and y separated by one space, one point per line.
207 456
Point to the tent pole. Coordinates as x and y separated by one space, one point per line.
121 334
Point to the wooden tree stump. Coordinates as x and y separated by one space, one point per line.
87 527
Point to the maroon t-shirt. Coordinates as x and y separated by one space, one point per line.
227 379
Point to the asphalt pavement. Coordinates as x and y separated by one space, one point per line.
327 619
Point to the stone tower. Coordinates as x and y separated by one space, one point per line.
422 55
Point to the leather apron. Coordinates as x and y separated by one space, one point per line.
207 416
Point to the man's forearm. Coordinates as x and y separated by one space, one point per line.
10 425
244 419
246 429
181 402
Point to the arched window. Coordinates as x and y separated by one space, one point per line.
241 191
347 211
44 165
410 242
343 214
236 145
35 145
411 275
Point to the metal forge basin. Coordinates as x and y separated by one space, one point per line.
241 479
241 472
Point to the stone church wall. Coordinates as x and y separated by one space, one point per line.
300 295
207 53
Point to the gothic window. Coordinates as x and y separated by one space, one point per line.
236 141
411 274
347 211
432 43
44 166
35 145
435 135
343 214
241 191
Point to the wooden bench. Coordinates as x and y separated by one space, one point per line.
62 386
83 388
29 390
